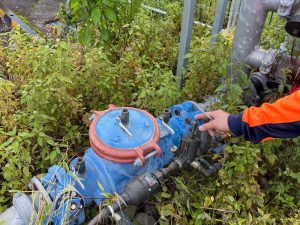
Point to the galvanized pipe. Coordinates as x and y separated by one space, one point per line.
256 57
185 38
249 30
262 59
236 12
231 14
11 217
220 14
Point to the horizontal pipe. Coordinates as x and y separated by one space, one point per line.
256 57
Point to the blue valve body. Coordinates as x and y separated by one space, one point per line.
104 177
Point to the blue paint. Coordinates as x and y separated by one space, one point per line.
104 176
109 131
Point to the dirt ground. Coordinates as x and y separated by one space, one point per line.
36 11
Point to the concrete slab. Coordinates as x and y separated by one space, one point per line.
37 12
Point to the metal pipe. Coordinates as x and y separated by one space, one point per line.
249 30
231 14
159 11
185 38
256 57
220 14
11 216
236 13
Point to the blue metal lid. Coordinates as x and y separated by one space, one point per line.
110 132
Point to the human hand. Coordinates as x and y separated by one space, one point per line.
218 124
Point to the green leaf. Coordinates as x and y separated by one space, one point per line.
110 14
26 171
296 176
107 3
40 141
12 132
64 45
104 34
181 185
221 87
165 195
168 210
15 146
230 198
25 135
208 200
96 15
52 155
75 5
65 79
271 158
84 36
8 142
51 142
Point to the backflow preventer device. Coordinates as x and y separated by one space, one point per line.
131 152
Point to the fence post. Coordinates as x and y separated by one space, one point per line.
219 20
185 37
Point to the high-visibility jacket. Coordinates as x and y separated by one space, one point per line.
278 120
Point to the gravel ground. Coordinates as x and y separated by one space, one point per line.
36 11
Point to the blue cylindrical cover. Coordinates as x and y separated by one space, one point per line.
110 132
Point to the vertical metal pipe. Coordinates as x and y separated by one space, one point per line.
185 37
219 20
231 13
236 12
249 30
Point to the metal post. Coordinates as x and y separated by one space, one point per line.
231 13
219 20
236 13
185 37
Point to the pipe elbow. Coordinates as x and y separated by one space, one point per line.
271 5
282 7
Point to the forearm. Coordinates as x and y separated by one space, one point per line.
278 120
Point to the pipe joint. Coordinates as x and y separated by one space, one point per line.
272 5
282 7
285 7
262 59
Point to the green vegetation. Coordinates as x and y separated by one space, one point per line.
100 19
48 89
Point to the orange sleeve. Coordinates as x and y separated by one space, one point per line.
278 120
284 110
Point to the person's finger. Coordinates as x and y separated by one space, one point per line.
224 136
212 133
207 126
204 116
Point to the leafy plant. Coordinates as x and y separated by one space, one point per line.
48 89
100 18
207 65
